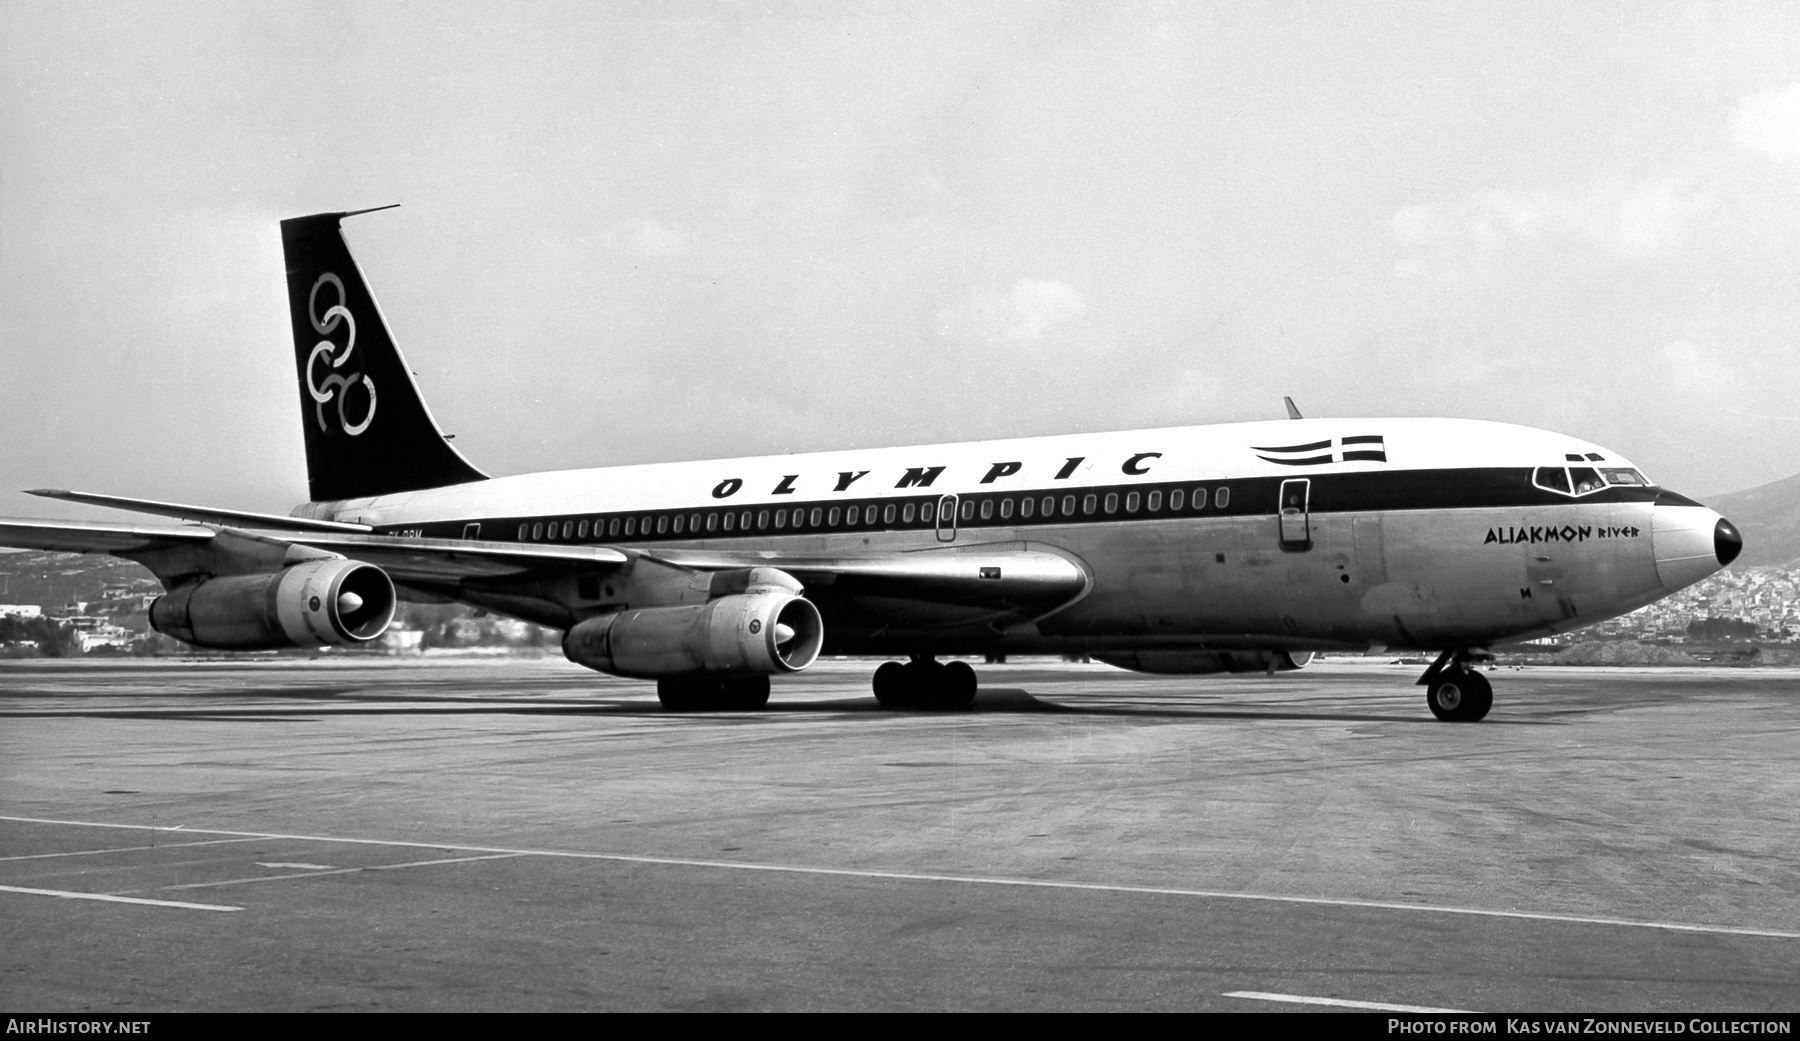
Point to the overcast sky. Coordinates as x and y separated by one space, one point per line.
646 232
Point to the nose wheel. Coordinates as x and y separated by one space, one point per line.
1454 691
925 683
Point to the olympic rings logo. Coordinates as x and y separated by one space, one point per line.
336 384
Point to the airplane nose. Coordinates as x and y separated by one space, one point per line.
1691 541
1727 543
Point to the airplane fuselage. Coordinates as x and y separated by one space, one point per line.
1303 535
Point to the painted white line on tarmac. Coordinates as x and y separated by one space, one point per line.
1371 1006
109 898
979 880
321 873
129 849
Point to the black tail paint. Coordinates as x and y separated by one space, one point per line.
368 431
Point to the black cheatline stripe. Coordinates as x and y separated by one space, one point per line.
1311 460
1366 455
1314 447
1363 439
1362 491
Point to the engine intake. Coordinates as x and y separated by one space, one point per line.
762 631
1194 663
311 604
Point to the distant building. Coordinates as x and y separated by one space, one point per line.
21 611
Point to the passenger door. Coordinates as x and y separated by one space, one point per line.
1296 531
946 519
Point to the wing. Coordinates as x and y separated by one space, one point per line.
993 584
205 514
99 537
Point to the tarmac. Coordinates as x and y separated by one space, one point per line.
522 834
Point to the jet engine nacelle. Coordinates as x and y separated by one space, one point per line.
763 631
310 604
1194 663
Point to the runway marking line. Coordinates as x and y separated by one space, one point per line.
346 871
980 880
110 898
127 849
1370 1006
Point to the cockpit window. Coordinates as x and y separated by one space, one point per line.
1582 480
1586 479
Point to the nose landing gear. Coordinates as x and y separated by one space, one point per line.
925 682
1454 691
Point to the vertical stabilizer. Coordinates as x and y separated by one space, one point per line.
368 431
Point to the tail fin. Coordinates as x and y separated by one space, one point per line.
368 431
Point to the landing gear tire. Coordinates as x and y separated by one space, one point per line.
1460 696
925 684
713 693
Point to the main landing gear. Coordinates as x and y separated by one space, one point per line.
925 682
1454 691
713 693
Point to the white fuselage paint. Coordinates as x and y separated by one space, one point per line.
1430 568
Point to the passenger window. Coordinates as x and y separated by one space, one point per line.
780 519
987 509
537 532
581 530
1221 498
524 532
817 516
1112 502
968 509
831 518
744 520
1585 479
1131 502
612 528
1027 507
712 521
1552 478
662 524
887 514
693 522
1088 504
762 520
1624 477
730 521
1155 502
630 526
1177 499
1199 498
678 521
906 513
926 511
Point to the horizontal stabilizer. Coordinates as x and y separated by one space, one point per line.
207 514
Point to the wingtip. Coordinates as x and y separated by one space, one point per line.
47 493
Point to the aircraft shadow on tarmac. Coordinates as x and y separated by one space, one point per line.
354 701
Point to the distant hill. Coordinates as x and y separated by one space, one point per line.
1768 517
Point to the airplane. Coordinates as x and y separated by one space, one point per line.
1230 548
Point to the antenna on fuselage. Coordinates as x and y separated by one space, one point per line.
1293 413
